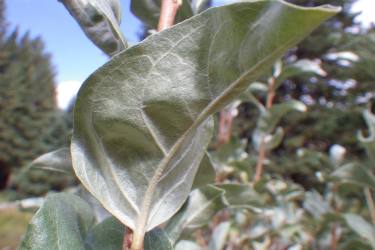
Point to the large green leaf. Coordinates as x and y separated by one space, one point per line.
100 20
142 121
62 223
198 211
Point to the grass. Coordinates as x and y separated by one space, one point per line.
13 225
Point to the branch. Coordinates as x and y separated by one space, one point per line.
168 13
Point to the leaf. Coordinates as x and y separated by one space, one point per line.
58 161
187 245
157 239
269 119
199 5
100 20
197 211
61 223
356 174
271 141
369 142
148 11
206 173
107 235
219 236
241 196
361 227
142 122
301 67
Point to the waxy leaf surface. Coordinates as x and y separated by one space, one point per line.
143 120
100 20
62 223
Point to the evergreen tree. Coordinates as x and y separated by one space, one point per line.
30 123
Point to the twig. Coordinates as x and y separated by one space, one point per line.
262 148
168 13
370 204
127 242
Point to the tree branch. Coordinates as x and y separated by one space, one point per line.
168 13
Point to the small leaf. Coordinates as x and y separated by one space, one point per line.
301 67
61 223
361 227
100 20
187 245
219 236
58 161
271 141
197 211
142 122
356 174
107 235
369 142
157 239
241 196
270 118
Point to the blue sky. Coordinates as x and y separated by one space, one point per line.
74 57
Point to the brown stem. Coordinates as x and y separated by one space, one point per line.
370 204
225 126
262 147
168 13
127 242
334 237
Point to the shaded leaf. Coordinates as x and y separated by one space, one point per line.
157 239
271 141
107 235
356 174
198 210
361 227
100 20
58 161
206 173
219 236
143 120
61 223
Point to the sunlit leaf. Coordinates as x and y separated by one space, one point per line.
100 20
142 122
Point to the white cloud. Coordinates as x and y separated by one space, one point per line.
66 91
367 8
